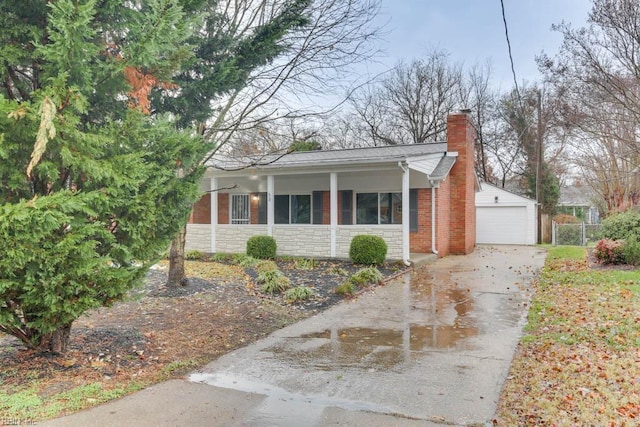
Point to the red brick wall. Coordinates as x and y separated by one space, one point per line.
201 213
223 208
443 218
420 241
461 137
326 207
253 203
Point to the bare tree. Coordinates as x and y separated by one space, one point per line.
598 72
411 103
319 60
291 52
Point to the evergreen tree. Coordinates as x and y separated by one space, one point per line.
93 187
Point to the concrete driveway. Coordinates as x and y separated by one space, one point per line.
430 348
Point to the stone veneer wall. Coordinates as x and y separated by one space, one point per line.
392 235
233 238
303 240
198 238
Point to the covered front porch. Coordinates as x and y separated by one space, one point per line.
317 213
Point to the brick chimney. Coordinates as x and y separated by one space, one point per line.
461 138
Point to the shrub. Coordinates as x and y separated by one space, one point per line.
244 261
566 219
299 293
221 257
304 263
265 265
631 250
346 288
621 225
609 251
366 276
368 250
261 247
273 281
195 256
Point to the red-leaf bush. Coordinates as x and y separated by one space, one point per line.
610 251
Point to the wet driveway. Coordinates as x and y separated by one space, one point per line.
431 348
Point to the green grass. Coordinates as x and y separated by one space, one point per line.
26 404
575 363
575 253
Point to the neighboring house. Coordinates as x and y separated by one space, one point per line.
504 217
577 200
419 198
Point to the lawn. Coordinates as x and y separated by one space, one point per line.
578 362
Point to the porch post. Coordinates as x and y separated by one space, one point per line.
214 211
333 197
406 247
270 204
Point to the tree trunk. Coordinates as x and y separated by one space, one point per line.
176 260
56 341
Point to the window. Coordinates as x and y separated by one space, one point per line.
292 209
240 209
379 208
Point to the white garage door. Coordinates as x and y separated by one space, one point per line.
501 225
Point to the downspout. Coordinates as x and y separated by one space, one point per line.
433 216
406 234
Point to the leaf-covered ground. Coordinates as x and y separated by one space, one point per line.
579 362
159 333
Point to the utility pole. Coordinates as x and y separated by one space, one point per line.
539 160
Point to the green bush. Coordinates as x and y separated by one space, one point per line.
273 281
368 250
299 293
366 276
261 247
631 250
621 225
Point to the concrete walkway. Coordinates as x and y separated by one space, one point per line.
431 348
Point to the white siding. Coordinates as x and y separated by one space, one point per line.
509 219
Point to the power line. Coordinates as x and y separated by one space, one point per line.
506 33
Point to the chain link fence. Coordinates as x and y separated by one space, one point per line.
574 234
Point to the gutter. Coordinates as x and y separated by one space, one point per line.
405 227
434 185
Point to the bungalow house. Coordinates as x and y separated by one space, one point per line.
419 198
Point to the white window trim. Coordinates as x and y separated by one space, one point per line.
355 204
310 208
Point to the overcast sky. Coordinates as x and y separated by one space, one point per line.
472 31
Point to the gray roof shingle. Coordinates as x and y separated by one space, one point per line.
382 154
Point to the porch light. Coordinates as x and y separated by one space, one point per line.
495 199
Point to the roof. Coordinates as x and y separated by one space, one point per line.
575 195
384 154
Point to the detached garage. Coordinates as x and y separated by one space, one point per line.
504 218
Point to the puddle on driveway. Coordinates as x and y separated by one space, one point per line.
426 317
